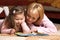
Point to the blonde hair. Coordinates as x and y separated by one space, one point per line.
40 9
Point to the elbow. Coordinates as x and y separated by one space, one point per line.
55 30
2 32
51 30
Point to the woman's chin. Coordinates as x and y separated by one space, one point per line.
28 22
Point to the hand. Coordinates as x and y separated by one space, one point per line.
12 31
34 29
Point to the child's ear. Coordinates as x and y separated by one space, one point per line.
25 9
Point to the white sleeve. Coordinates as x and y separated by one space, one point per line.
6 10
1 9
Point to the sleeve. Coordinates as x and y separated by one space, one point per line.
6 10
4 29
25 28
1 9
48 27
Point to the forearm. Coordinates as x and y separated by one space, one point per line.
48 26
6 31
25 28
46 30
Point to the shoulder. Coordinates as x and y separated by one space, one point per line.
45 17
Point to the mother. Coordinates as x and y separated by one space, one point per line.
38 21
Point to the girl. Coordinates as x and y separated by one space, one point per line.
38 21
15 22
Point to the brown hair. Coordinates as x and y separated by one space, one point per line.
9 21
40 9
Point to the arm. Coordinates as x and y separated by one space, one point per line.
48 26
25 28
5 30
6 10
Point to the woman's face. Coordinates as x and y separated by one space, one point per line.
19 19
32 16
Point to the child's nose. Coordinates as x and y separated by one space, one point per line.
19 21
30 19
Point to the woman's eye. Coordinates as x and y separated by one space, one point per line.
33 18
28 16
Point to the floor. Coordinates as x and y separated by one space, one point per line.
57 26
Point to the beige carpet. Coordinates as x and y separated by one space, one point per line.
57 26
52 37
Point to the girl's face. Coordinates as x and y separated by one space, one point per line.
32 16
19 18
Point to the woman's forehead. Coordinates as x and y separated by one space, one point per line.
33 13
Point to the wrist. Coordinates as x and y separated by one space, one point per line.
10 31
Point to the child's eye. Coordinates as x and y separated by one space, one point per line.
16 19
21 19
